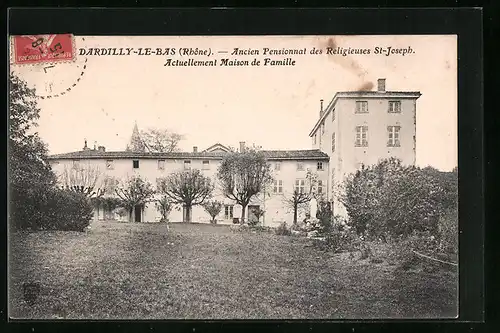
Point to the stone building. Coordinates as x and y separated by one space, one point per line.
355 128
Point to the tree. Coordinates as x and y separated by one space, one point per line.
84 179
165 206
213 208
301 195
243 175
134 192
160 140
189 188
30 175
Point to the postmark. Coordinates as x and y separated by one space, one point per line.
52 68
34 49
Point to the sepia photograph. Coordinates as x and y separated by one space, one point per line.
233 177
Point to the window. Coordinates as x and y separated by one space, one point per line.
333 181
228 212
300 166
206 165
320 166
361 107
323 127
135 164
393 133
300 185
109 164
110 185
394 107
187 165
314 139
76 164
361 136
333 115
161 164
278 186
333 142
320 186
277 166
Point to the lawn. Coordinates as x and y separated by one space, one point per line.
132 270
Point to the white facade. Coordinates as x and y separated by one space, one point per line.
365 127
122 165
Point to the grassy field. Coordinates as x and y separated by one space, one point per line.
125 270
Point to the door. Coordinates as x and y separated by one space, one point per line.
137 213
253 216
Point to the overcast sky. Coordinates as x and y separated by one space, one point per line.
275 107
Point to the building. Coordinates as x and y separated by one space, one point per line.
355 128
362 127
289 171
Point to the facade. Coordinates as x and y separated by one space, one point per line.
289 169
362 127
355 128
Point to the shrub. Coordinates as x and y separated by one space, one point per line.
448 232
391 200
283 230
213 208
164 205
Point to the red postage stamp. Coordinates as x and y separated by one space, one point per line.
32 49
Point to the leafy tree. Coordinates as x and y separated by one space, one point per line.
30 175
133 192
243 175
189 188
213 208
392 200
302 195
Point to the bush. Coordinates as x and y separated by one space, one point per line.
448 232
283 230
391 200
56 209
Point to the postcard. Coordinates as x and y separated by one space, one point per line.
233 177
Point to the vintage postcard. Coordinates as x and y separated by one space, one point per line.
233 177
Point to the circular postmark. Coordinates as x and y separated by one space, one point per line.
48 64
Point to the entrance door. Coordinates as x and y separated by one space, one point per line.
137 213
252 216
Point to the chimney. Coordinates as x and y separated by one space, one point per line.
320 108
85 146
195 149
242 146
101 148
381 85
95 145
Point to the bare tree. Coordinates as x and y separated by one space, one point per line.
189 188
134 192
84 179
159 140
243 175
302 194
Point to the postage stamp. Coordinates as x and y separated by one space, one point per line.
33 49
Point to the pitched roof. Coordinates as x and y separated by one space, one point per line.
217 146
312 154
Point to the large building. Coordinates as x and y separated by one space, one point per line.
355 128
362 127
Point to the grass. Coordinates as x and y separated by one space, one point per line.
196 271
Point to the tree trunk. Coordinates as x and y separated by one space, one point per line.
295 214
243 209
188 213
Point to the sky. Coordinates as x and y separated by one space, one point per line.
271 106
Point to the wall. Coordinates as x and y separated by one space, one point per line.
273 204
